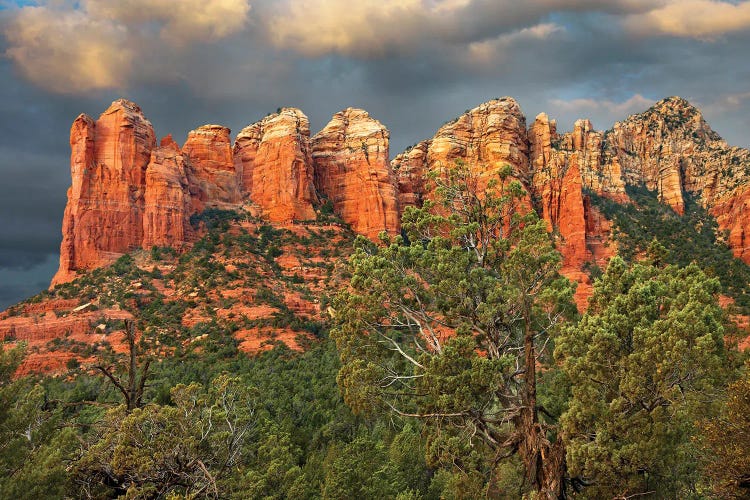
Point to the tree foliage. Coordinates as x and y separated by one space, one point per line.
450 325
645 361
725 441
154 451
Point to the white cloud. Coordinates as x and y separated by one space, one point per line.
701 19
72 47
181 22
363 27
372 28
68 51
489 51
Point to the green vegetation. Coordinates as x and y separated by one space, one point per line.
645 362
692 237
450 328
724 441
438 380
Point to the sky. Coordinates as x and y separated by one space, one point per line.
413 64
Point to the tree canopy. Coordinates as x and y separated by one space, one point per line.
645 361
451 323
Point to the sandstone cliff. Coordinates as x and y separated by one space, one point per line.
274 158
213 179
557 185
167 202
126 192
350 156
104 214
670 148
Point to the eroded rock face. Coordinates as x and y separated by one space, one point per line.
600 173
732 213
274 158
488 138
127 193
167 202
213 178
350 156
409 168
104 214
670 148
558 186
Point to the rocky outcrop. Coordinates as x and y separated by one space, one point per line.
104 214
409 168
599 172
273 157
213 178
167 202
350 156
488 139
128 193
557 185
732 214
671 149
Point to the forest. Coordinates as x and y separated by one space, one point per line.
451 363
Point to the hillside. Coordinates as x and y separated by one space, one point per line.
217 329
128 193
243 286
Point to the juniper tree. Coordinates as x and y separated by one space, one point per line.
645 361
451 323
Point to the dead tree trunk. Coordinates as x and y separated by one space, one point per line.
132 392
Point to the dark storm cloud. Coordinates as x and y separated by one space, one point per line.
413 64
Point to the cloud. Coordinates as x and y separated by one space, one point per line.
725 103
700 19
98 44
377 28
181 22
635 104
488 51
68 51
364 27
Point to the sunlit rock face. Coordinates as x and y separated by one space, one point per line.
273 157
104 214
126 192
212 176
352 172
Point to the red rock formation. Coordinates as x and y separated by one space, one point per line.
350 156
672 149
598 234
409 168
167 203
213 178
557 182
273 158
488 138
733 214
103 217
599 173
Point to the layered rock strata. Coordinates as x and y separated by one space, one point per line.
352 171
557 184
104 214
273 157
127 193
213 178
